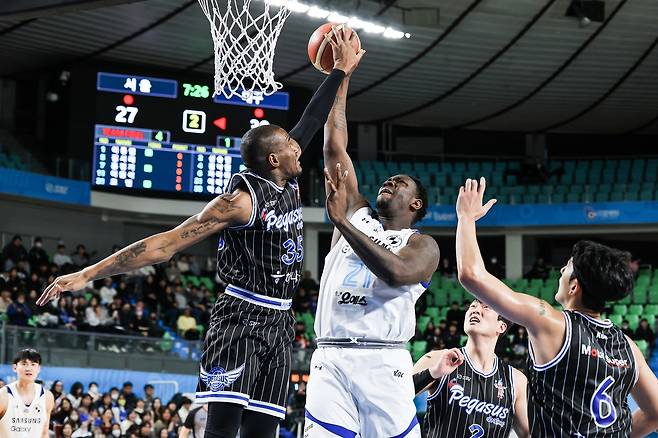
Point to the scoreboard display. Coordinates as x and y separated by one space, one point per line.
172 137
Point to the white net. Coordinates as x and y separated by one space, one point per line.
244 37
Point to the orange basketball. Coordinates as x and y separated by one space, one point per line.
323 59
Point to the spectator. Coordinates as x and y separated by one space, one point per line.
184 409
452 338
93 392
57 388
634 264
644 332
5 300
164 421
67 430
495 268
131 420
456 314
107 292
520 342
301 303
62 259
435 342
131 398
627 330
195 422
187 325
18 312
14 252
181 298
96 316
172 272
75 395
301 341
34 282
539 270
63 411
446 269
308 283
195 269
183 266
80 258
149 392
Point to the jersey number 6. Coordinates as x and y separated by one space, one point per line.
601 406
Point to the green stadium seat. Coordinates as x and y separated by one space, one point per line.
635 309
418 349
422 323
620 309
651 308
547 295
207 281
625 300
557 198
647 195
617 196
616 319
562 190
574 197
639 295
633 321
529 199
433 313
543 199
440 299
643 346
602 197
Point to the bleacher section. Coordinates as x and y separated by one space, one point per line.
12 161
567 181
642 303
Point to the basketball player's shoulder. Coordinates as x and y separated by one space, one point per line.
424 242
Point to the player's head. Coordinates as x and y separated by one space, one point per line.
268 148
595 274
403 195
482 320
27 364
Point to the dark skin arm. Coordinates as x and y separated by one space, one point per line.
416 262
230 209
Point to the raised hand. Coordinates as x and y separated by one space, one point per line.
345 57
337 194
445 362
70 282
469 201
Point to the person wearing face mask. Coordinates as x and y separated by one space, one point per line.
37 255
116 431
93 391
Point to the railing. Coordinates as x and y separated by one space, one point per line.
115 351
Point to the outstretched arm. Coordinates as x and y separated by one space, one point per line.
222 212
415 263
546 326
316 112
335 149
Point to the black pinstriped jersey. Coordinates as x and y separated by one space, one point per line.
471 404
583 391
265 255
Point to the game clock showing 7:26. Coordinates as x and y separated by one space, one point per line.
172 137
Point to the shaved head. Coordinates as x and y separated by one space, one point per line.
258 143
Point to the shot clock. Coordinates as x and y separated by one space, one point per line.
171 136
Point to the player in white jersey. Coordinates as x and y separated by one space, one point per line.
25 405
361 374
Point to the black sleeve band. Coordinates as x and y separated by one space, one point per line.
316 112
422 380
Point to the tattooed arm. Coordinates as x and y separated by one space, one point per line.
222 212
335 151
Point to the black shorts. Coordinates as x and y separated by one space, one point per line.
247 356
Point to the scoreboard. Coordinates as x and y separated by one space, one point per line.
171 136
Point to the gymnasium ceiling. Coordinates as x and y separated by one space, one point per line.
518 65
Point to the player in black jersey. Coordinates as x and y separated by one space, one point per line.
480 397
245 365
581 368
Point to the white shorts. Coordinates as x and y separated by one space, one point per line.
360 393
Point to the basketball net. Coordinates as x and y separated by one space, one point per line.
244 44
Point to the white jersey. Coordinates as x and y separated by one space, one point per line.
353 302
21 420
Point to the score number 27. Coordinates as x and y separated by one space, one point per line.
125 114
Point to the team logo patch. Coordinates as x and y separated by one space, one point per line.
394 241
218 378
500 387
221 244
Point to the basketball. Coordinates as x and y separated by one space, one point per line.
323 59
